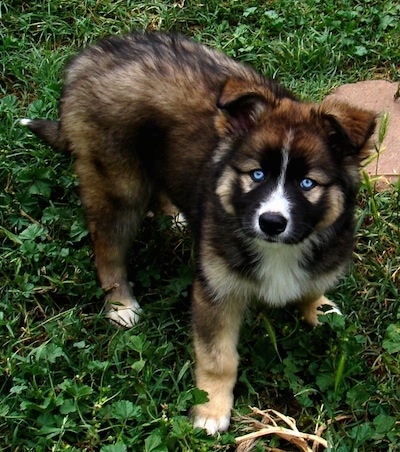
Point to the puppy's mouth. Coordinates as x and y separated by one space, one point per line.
285 240
280 239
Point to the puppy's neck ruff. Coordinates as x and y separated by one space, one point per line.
283 275
279 276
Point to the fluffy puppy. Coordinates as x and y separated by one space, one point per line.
267 184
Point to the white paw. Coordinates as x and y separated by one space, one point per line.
179 222
321 306
180 219
122 315
333 310
211 425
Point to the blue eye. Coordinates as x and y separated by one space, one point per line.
307 184
257 175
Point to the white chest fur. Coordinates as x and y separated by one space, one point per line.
279 277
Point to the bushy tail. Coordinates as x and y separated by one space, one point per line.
48 131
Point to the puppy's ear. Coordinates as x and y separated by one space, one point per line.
241 106
349 128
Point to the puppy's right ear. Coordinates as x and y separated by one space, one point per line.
240 107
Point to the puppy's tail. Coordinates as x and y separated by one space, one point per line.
48 130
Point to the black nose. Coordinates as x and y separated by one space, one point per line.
272 223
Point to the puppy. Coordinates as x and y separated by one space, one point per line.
266 182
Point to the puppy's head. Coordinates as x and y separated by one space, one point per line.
288 169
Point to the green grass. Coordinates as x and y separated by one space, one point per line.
69 380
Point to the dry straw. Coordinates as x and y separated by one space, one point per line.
274 423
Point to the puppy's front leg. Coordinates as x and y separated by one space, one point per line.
311 308
216 327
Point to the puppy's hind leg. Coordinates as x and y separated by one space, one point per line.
111 247
114 206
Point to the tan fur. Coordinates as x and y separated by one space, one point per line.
246 183
311 309
224 190
336 202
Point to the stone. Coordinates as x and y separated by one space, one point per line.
379 96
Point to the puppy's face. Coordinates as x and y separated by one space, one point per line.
295 172
290 191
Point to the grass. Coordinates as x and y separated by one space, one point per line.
69 380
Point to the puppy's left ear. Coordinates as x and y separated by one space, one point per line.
349 128
241 105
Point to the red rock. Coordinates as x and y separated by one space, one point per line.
378 96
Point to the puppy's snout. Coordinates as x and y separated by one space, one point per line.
272 223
